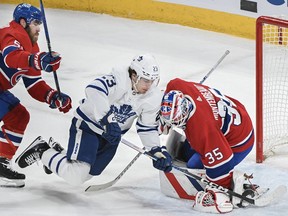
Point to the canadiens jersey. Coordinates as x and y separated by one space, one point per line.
15 48
219 127
113 92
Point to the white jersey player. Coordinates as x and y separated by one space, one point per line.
111 105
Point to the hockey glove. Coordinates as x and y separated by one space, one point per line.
60 101
212 201
112 131
164 161
45 61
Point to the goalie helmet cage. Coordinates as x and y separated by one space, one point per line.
271 86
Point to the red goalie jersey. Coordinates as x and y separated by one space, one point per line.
219 129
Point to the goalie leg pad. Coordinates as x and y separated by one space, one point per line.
212 201
177 185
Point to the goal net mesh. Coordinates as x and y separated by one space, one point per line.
275 88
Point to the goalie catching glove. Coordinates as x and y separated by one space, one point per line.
164 161
60 101
212 201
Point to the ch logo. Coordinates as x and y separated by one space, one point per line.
276 2
16 76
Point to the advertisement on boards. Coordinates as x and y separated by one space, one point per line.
250 8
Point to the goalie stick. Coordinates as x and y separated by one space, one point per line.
263 200
215 66
112 182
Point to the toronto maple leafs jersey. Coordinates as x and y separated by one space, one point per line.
113 92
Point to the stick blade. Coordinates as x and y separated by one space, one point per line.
271 196
99 187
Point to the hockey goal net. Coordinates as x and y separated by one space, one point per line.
271 87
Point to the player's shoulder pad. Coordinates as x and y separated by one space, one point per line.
121 76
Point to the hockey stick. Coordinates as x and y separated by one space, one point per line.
49 45
111 183
215 66
261 201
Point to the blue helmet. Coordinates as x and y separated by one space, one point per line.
27 12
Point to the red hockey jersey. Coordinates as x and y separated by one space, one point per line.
15 48
219 127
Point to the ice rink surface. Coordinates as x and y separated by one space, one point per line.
91 45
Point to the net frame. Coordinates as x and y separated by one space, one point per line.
270 127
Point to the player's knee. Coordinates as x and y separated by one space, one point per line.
22 115
76 173
18 118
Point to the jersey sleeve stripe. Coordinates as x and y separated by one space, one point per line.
97 128
9 49
243 142
144 128
228 160
105 91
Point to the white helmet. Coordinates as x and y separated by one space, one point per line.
145 66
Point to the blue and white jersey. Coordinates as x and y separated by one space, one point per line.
113 92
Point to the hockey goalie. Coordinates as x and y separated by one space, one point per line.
218 136
205 199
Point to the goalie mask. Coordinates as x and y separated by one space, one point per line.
146 67
176 109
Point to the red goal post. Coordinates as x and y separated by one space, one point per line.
271 86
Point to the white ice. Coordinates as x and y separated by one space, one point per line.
91 44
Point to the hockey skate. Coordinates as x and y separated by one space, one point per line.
8 176
32 153
55 145
242 185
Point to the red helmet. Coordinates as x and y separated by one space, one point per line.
175 108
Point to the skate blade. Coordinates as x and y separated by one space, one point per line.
11 183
